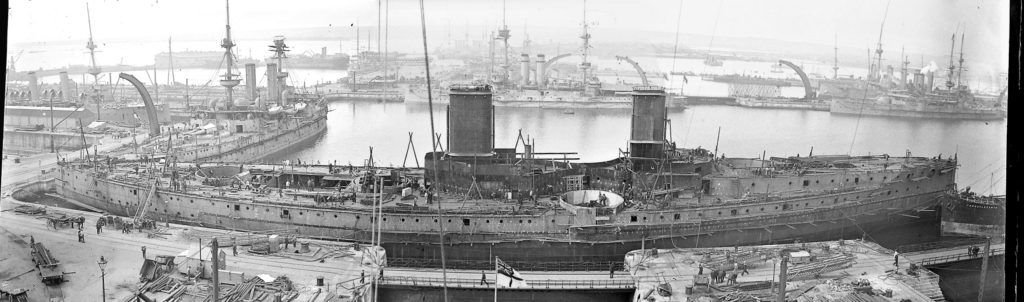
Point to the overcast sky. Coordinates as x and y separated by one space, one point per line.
919 25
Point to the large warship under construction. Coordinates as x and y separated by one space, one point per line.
535 210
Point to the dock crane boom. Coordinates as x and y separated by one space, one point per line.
643 75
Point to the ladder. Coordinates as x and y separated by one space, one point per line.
141 213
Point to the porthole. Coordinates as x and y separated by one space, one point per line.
403 219
700 214
417 220
520 221
487 221
501 221
662 217
762 209
806 204
719 213
529 221
746 211
817 181
335 215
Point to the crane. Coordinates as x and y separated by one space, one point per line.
14 60
643 75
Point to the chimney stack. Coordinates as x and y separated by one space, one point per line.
273 91
524 70
33 86
541 77
250 83
470 121
65 86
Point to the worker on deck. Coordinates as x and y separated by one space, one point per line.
483 279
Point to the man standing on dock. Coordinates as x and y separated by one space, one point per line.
611 271
483 279
896 259
143 252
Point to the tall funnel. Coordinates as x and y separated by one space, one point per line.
524 70
273 91
470 121
931 80
540 71
250 83
647 133
65 86
33 86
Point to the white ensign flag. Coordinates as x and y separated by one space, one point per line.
507 276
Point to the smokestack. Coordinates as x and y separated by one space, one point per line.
540 71
33 86
889 73
918 79
647 130
524 72
931 81
323 51
250 82
471 121
273 92
65 86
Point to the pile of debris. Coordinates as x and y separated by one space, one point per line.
261 288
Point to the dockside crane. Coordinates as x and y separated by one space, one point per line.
643 75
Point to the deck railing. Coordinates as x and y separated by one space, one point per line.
622 283
958 257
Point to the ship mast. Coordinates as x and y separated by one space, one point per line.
170 63
949 78
585 65
960 73
93 70
876 72
229 80
903 70
504 34
835 58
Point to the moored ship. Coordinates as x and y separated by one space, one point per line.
536 209
967 213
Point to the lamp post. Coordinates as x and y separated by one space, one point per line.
103 276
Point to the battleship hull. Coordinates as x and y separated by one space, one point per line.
897 212
855 107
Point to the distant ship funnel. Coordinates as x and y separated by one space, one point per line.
539 73
524 70
273 91
250 82
33 86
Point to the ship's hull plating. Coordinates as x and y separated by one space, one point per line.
875 109
411 239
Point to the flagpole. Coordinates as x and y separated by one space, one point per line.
495 278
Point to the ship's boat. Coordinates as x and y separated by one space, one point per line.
300 106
